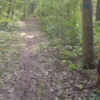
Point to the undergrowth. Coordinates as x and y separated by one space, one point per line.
66 38
10 49
64 30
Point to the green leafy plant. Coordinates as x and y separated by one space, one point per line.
93 96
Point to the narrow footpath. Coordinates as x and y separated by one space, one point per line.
25 79
25 87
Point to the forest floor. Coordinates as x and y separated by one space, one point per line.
36 77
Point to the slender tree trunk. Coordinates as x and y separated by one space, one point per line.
10 6
98 59
24 10
32 7
12 9
43 14
87 35
61 3
98 11
98 70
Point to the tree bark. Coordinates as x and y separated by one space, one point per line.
98 70
10 6
24 10
98 11
87 35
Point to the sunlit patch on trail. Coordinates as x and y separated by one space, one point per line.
22 24
23 34
29 36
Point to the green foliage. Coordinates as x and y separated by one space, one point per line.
93 96
57 21
62 23
72 67
10 12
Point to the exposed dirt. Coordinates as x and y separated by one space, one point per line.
35 77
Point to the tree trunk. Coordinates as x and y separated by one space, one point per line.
33 7
12 9
98 11
43 14
98 70
24 10
87 35
10 6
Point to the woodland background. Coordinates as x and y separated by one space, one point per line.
61 22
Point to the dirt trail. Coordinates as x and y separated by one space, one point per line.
22 86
